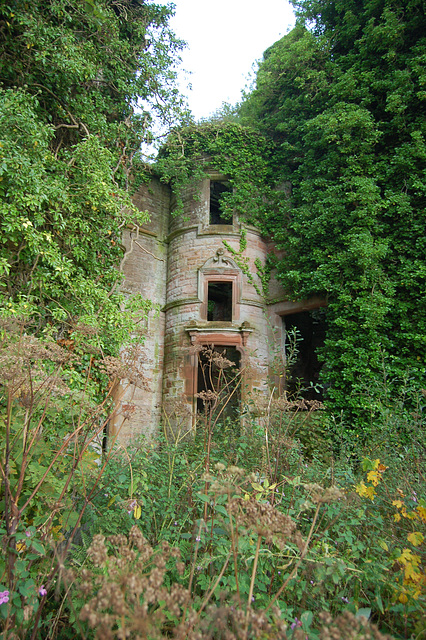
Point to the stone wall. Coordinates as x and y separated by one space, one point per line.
198 255
175 261
139 408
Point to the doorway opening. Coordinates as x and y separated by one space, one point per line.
219 301
219 382
217 191
304 337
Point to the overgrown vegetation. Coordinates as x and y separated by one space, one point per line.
281 522
342 97
327 156
235 534
80 83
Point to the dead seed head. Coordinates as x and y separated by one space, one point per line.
264 519
29 366
321 495
348 627
206 396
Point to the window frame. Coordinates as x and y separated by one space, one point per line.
222 277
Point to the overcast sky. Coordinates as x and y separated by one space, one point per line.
225 38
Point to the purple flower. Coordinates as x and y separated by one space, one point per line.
296 623
28 534
345 599
4 597
132 505
198 539
42 591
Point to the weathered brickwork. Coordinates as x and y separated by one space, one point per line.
173 261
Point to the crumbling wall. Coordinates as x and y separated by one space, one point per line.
139 406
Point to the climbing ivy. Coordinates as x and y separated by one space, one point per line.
238 152
342 99
328 158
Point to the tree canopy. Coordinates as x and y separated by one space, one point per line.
80 84
343 98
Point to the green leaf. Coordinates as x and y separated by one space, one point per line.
306 619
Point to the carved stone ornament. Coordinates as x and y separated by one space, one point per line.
220 260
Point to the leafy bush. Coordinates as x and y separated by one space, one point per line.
211 547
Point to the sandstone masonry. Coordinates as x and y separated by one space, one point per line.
200 296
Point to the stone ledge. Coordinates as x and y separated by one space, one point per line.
224 332
180 302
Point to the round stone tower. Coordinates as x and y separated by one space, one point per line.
199 271
213 297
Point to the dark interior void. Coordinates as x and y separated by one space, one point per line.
305 335
217 191
219 301
222 381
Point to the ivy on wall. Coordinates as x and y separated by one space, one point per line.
328 158
342 97
238 152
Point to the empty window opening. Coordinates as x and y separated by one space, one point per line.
217 192
219 301
219 373
305 335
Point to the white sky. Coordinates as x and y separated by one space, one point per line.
225 38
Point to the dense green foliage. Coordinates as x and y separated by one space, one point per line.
343 99
305 534
331 167
239 153
71 76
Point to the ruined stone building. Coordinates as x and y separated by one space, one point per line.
204 294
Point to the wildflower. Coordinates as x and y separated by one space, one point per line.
296 623
198 539
344 599
42 591
28 534
4 597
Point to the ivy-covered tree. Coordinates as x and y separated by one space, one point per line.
343 98
80 84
